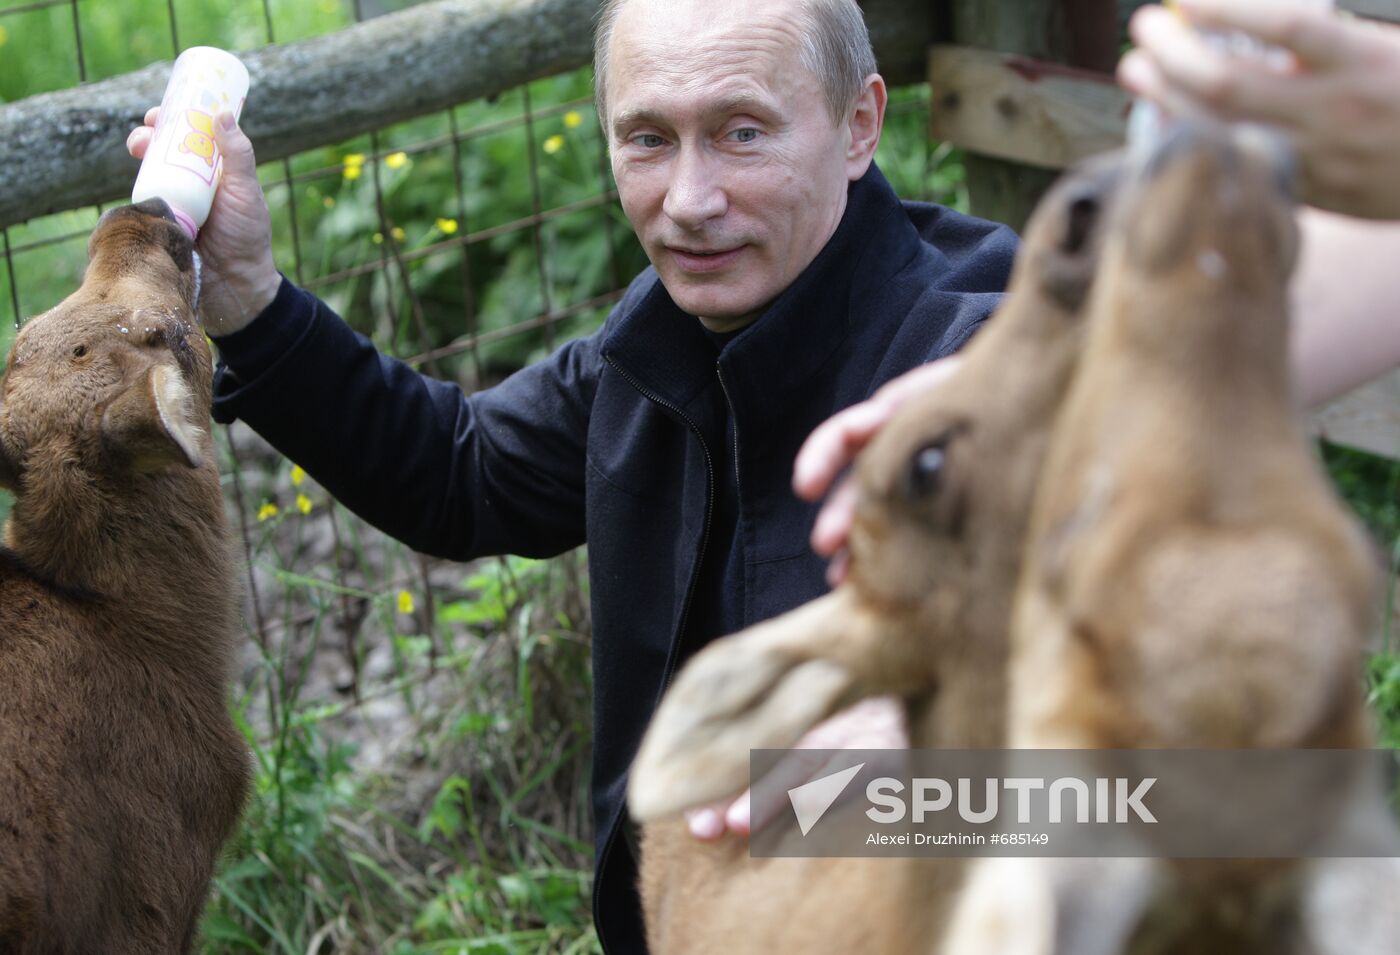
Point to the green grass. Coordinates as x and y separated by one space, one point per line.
474 835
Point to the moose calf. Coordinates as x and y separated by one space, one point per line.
1191 580
121 773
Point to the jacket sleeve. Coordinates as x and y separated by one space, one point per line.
458 476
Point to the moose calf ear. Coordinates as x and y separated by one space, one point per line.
9 460
9 468
149 422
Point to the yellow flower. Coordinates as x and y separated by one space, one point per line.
298 475
377 238
303 503
554 143
572 119
328 202
405 602
4 35
351 173
397 233
447 226
354 159
396 160
268 510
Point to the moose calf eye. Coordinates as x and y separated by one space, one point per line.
926 470
1083 212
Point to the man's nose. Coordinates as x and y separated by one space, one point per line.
695 194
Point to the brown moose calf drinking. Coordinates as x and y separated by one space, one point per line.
121 773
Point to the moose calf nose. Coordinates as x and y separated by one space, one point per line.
156 206
1273 149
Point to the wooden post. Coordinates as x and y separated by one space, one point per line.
1076 32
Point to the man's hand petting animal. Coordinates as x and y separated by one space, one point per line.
876 723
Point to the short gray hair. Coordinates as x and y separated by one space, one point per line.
835 47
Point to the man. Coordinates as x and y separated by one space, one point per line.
787 282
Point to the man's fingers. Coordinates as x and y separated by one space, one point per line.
899 390
237 150
707 822
152 115
834 520
877 723
738 818
139 140
797 767
874 723
836 570
833 445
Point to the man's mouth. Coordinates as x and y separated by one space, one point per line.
704 260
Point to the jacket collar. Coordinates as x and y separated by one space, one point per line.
667 351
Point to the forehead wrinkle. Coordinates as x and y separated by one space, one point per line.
724 48
686 56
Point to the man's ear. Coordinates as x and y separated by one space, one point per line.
866 121
148 423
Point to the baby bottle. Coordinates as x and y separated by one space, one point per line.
183 164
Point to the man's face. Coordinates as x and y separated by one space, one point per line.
727 159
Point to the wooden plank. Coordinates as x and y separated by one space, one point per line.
1001 189
1030 111
1367 418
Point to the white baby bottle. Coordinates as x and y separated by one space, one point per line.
183 164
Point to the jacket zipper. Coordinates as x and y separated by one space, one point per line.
669 673
734 420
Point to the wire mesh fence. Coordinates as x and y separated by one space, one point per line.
420 729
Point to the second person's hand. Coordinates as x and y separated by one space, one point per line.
1336 103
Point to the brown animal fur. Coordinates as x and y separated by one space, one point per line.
923 614
1190 580
121 773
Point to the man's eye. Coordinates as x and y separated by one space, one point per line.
745 135
648 140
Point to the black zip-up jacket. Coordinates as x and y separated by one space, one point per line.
625 439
